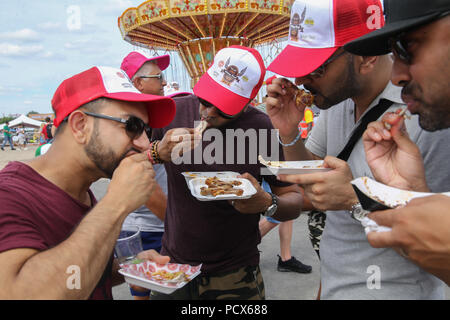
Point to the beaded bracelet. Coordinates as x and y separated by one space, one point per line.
154 152
291 143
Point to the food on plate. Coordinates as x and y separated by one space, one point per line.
269 163
216 187
163 275
303 97
400 113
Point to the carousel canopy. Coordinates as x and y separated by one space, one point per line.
197 29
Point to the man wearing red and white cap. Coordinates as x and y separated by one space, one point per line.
55 239
350 90
222 235
146 73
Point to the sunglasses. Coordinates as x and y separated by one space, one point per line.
210 105
399 47
160 77
134 126
320 71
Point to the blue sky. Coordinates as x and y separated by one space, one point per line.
44 42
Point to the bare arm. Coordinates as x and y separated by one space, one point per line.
32 274
157 203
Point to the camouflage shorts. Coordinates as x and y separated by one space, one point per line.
316 224
243 284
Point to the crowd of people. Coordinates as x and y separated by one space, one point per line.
50 220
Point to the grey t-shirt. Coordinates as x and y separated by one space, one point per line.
350 267
143 217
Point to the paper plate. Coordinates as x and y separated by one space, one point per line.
292 167
140 274
196 184
375 196
189 175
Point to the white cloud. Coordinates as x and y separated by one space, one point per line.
13 50
118 6
49 25
28 102
9 90
20 35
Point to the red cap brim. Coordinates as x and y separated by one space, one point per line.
162 61
227 101
161 110
298 62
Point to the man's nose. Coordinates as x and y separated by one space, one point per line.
303 80
400 73
142 142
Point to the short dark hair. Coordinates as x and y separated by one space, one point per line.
92 106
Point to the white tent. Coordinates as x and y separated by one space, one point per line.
25 121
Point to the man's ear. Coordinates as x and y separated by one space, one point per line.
137 82
78 123
366 64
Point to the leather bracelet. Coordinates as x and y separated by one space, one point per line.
291 143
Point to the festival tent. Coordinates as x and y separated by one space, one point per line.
25 121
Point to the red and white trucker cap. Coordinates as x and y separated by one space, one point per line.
233 79
111 83
319 27
135 60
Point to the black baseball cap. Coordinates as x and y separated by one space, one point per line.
401 15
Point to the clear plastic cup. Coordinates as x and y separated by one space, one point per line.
128 245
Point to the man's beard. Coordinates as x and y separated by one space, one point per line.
103 157
349 88
433 115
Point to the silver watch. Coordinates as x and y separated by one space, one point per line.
357 212
270 211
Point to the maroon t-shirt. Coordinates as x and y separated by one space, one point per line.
36 214
213 232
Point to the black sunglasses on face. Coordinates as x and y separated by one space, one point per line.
320 71
399 47
210 105
134 126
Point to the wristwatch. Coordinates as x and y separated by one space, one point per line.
270 211
357 212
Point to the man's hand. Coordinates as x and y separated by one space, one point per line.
421 230
258 203
154 256
282 109
177 141
132 183
392 157
329 190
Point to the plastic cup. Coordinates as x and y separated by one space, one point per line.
128 245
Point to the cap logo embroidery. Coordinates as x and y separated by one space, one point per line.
231 73
296 24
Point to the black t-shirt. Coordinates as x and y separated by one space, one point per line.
213 232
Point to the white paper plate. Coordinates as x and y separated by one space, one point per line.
196 184
189 175
294 167
378 196
135 274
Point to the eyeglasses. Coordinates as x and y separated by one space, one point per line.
134 126
320 71
399 47
210 105
160 77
